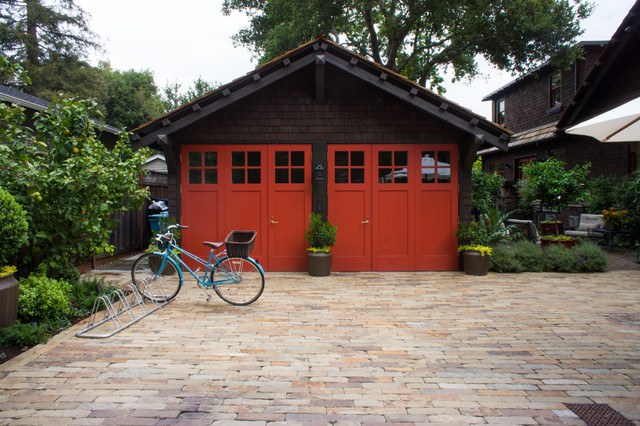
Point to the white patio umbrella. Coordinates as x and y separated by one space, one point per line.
621 124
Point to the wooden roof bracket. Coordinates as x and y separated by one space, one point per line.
166 143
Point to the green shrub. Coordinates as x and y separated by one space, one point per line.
84 294
13 227
589 258
558 258
43 299
25 335
529 255
504 260
320 235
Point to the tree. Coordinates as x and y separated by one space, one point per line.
552 184
68 182
173 98
421 39
50 39
131 98
485 190
33 32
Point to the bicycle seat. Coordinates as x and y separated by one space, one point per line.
214 246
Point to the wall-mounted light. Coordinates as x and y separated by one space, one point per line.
318 173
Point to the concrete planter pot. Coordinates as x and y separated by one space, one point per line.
9 291
475 263
319 264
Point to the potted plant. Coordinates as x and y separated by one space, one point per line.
476 253
614 219
321 237
478 236
476 259
13 228
551 184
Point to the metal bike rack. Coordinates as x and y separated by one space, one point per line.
114 312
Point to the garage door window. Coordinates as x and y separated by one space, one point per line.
349 167
436 167
245 167
289 166
203 167
393 167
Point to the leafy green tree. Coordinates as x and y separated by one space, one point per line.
485 189
172 97
421 39
131 98
550 182
50 40
33 32
67 181
68 77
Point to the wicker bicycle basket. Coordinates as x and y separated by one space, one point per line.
240 243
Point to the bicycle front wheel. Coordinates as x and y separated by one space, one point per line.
155 281
240 281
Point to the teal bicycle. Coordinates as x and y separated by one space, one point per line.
234 276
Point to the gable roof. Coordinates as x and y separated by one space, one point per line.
319 52
614 78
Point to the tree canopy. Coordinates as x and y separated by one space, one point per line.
418 38
33 32
131 98
173 97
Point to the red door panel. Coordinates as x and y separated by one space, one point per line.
393 212
245 203
349 205
438 204
436 245
200 189
289 206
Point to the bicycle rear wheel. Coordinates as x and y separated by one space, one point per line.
243 281
154 284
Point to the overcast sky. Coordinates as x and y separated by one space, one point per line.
181 41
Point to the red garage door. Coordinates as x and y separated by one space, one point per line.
267 189
395 206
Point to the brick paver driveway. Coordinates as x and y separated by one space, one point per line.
352 348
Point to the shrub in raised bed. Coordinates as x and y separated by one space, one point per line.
558 258
589 257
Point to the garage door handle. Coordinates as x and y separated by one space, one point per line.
365 221
273 220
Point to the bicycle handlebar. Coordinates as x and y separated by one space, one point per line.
176 226
168 236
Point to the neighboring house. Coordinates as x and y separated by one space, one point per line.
321 128
540 106
156 167
108 134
